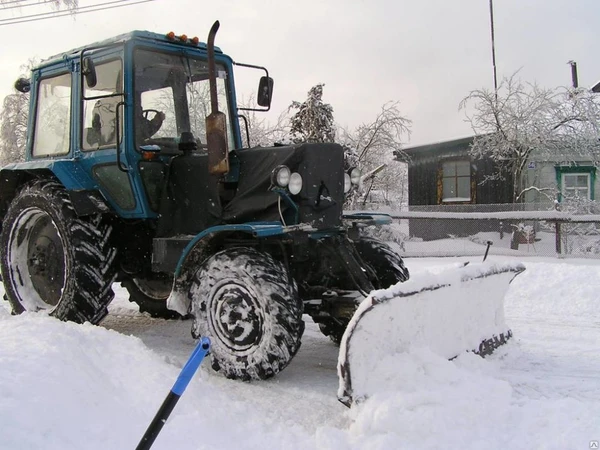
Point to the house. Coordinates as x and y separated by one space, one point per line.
444 173
571 178
444 177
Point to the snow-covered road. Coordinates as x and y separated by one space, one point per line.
66 386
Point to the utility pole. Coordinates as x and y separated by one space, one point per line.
493 48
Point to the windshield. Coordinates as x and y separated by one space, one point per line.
172 96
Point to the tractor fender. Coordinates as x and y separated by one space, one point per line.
82 190
204 245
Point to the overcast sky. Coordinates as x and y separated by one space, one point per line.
427 54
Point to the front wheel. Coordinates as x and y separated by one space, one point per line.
387 269
248 305
387 265
53 260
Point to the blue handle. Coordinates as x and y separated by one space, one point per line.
191 366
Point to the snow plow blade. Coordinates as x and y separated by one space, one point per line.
459 310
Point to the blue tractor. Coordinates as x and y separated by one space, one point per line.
134 175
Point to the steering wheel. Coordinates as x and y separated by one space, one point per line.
146 113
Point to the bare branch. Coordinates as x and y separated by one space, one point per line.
525 121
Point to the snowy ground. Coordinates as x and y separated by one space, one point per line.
66 386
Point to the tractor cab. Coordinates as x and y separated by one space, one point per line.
118 112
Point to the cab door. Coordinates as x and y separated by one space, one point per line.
102 134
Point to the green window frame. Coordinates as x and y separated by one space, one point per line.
571 178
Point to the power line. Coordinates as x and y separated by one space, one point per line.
64 12
80 10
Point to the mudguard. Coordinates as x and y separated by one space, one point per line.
456 311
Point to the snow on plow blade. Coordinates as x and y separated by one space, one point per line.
459 310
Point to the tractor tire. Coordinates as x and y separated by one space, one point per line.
389 269
248 305
53 260
151 296
385 262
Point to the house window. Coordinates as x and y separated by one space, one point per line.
576 185
576 182
456 181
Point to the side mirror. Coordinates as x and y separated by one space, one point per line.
23 85
265 92
88 69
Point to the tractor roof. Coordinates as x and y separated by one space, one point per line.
181 41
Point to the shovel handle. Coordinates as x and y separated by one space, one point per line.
175 394
191 366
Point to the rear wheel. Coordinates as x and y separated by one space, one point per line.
53 260
248 305
151 295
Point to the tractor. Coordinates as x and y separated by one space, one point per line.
135 173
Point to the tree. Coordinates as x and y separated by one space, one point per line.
261 131
71 5
374 144
313 122
522 120
13 123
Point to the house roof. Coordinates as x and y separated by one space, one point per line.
455 146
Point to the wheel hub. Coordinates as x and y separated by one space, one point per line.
37 254
236 318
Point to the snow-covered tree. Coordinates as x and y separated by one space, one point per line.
313 121
70 5
13 127
523 120
263 132
13 123
374 144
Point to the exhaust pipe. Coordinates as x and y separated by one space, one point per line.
216 122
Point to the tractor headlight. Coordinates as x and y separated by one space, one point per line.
280 176
295 183
347 183
355 174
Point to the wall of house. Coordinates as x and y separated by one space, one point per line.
423 190
423 183
542 174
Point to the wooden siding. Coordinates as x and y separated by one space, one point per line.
424 184
425 189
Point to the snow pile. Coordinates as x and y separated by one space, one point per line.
68 386
449 313
435 403
547 290
65 386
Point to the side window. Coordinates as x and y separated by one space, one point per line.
53 116
100 114
456 181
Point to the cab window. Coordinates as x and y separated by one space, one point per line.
53 116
